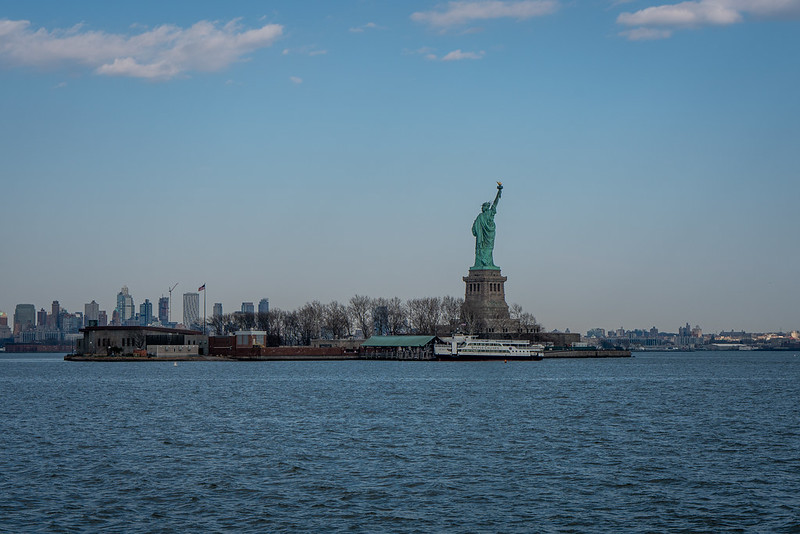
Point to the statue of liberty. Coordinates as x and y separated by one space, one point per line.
484 230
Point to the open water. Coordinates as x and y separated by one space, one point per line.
662 442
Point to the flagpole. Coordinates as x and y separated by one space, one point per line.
204 308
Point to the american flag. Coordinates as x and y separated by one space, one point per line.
201 288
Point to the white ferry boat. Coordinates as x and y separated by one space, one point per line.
470 348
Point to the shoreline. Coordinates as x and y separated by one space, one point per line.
562 354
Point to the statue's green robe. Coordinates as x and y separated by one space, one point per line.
484 230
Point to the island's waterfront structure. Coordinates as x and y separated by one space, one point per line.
140 341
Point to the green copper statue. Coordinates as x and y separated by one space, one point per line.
484 229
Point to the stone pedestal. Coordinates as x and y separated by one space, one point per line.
485 299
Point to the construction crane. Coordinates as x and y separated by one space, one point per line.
169 313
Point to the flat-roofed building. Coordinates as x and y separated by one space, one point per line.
139 341
91 312
163 310
24 317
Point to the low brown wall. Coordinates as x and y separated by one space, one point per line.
587 354
82 358
36 347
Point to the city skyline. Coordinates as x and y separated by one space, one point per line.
39 316
315 152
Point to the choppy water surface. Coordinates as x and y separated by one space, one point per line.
659 442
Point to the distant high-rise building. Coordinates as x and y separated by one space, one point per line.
380 321
41 318
163 310
24 317
91 312
120 304
217 309
55 312
191 309
125 308
263 306
102 318
5 331
248 307
71 322
146 312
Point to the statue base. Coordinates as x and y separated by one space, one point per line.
485 307
476 268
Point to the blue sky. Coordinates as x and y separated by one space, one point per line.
315 150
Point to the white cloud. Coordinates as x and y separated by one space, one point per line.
460 13
698 13
646 34
683 14
458 55
160 53
308 50
364 27
295 79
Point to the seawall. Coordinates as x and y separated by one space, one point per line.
587 354
326 354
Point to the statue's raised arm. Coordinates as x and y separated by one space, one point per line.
497 197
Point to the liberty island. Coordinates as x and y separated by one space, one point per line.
482 315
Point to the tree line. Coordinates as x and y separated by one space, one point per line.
361 315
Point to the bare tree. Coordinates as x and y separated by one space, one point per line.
138 338
451 312
276 327
291 328
473 324
423 314
244 320
309 318
398 320
230 324
433 314
336 321
416 315
527 323
220 324
263 321
360 310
